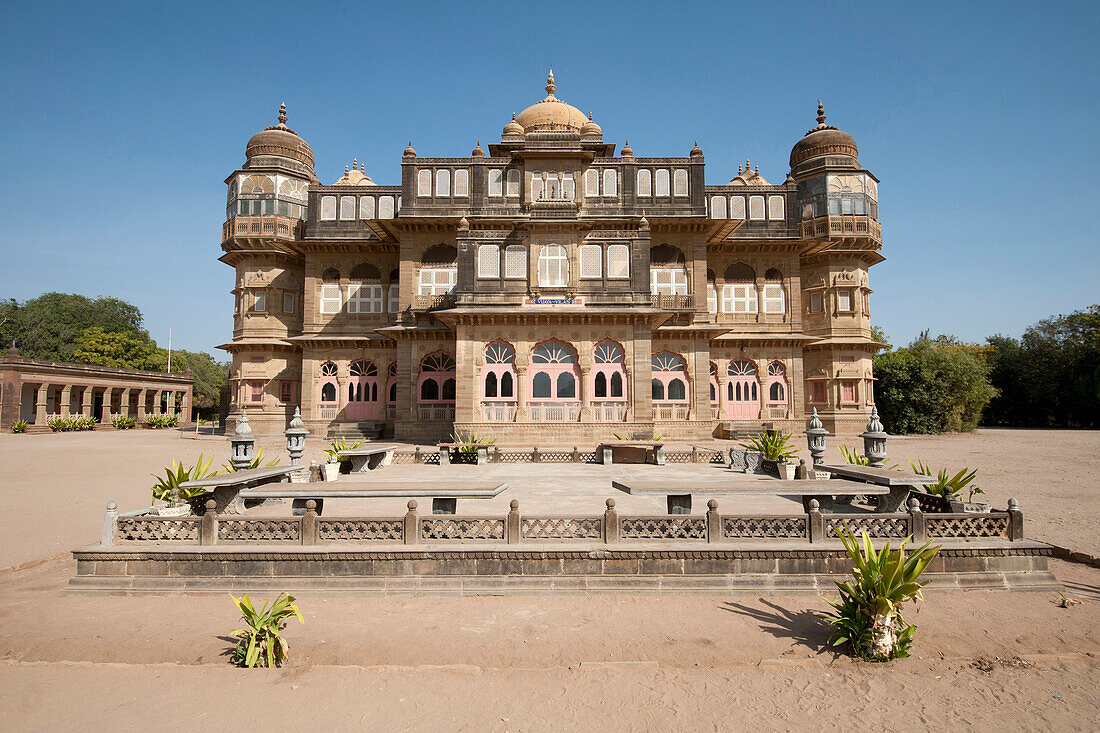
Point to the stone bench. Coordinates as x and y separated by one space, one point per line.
446 448
225 488
301 493
368 457
607 451
823 491
898 483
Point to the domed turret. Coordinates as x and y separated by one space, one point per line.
513 131
409 152
591 131
823 140
627 151
477 152
551 113
696 151
355 177
279 140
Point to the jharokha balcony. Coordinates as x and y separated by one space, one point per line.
841 226
260 226
673 302
435 302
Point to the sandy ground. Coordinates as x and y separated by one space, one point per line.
1010 661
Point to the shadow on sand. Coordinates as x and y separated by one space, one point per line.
802 627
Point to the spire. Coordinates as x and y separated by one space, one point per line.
748 167
820 113
355 164
550 87
739 171
282 113
345 170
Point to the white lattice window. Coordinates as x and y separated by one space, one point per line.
645 182
717 207
496 182
424 183
536 185
385 207
488 261
442 182
660 187
515 262
618 261
739 299
259 301
462 183
437 280
756 207
328 208
591 261
776 208
366 207
844 300
364 298
774 299
592 182
513 182
347 208
737 207
394 299
610 182
668 281
567 186
553 266
331 301
680 182
712 298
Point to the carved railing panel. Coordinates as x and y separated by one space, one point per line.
967 525
258 530
764 527
663 528
462 529
157 529
345 530
875 526
561 528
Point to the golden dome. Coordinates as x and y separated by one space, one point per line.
477 152
551 113
512 128
355 177
823 140
627 151
279 140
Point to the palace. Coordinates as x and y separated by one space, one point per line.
550 291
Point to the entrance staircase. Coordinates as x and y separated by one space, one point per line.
362 430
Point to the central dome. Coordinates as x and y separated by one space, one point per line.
551 113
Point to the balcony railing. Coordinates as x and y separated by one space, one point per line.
673 302
609 411
498 411
670 412
554 411
437 413
328 413
435 302
259 226
841 226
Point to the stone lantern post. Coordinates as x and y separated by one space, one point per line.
874 441
296 444
242 441
815 438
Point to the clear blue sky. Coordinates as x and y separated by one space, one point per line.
981 120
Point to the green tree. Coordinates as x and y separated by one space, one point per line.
47 327
124 349
210 377
932 386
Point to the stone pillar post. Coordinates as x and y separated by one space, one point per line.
108 395
700 381
185 406
86 401
585 394
723 401
66 400
642 375
141 394
157 409
521 393
124 403
40 404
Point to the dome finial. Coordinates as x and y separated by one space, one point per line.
355 163
282 113
820 113
589 114
550 87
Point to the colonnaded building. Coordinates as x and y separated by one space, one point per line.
551 291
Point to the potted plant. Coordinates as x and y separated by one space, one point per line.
330 470
949 488
775 452
167 488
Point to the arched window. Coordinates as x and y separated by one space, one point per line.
713 384
391 389
437 378
498 374
739 291
777 383
775 300
608 372
669 377
327 384
553 266
554 371
742 391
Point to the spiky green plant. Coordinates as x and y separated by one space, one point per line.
338 446
774 446
123 422
852 456
867 616
949 487
176 474
257 461
468 443
260 642
19 426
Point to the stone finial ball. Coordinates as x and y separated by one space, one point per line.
413 504
112 506
1013 504
514 504
610 503
211 505
311 505
712 504
914 504
814 505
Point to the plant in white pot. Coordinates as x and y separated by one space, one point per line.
330 470
776 453
167 488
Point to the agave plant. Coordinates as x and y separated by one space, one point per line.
260 642
123 422
774 446
19 426
176 474
338 446
949 487
257 461
469 443
867 616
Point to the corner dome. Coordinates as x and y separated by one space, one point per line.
280 140
355 177
823 140
551 113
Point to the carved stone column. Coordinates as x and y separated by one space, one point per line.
723 401
41 403
585 394
124 403
66 400
86 401
521 393
141 395
105 412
